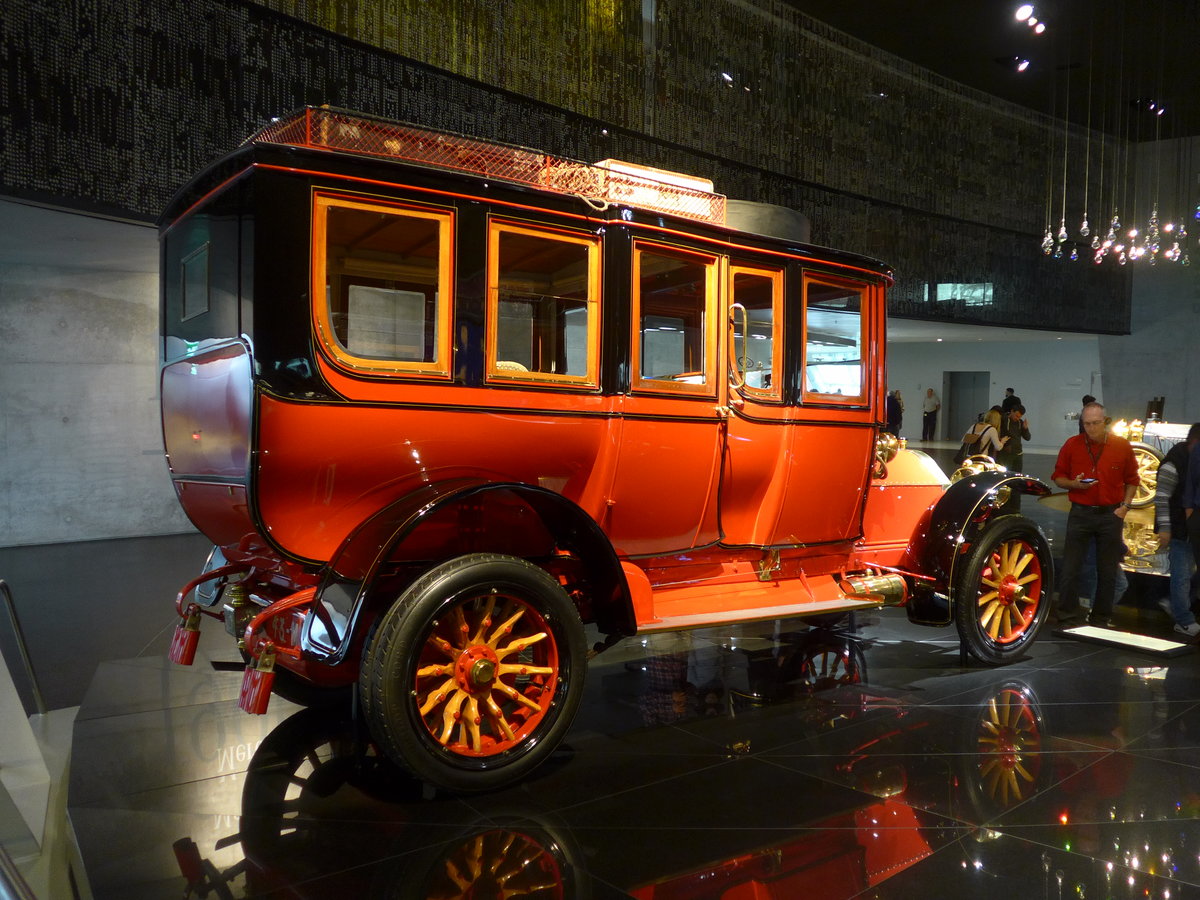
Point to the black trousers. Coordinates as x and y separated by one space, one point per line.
928 425
1083 524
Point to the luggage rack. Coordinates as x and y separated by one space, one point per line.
608 182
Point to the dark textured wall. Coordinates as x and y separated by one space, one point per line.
110 106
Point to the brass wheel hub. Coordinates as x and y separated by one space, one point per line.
476 669
1010 591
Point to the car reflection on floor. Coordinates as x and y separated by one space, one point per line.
836 787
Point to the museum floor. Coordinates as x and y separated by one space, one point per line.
773 760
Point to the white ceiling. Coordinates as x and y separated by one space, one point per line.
916 330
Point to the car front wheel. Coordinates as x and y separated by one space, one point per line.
1004 594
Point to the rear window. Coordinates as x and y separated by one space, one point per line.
381 284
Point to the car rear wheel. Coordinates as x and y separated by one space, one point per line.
474 674
1004 595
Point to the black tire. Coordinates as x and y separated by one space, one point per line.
483 631
1004 595
1148 460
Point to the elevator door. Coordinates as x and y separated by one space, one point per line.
965 397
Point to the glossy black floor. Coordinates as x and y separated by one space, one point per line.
772 760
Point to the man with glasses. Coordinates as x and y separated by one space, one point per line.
1100 475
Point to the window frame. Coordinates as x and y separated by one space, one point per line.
440 366
712 262
866 295
498 226
774 393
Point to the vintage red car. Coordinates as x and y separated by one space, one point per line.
441 404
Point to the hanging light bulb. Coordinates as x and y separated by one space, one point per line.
1058 252
1084 230
1048 242
1074 254
1095 242
1062 230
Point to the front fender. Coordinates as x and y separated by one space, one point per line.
346 586
955 523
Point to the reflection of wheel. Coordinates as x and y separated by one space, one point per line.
1004 758
1003 597
520 860
474 674
830 665
305 782
1147 462
517 856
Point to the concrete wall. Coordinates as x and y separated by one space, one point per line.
79 428
1161 357
80 442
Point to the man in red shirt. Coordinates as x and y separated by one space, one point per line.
1100 474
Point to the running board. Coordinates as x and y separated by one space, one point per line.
1126 639
725 617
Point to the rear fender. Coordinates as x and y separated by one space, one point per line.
955 524
400 537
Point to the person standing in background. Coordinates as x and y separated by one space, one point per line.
1100 474
894 411
1189 499
1087 398
1010 401
929 410
1016 429
1171 530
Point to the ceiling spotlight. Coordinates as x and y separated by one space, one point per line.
1016 63
1024 12
1031 21
1039 28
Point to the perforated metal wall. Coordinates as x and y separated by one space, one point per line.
112 105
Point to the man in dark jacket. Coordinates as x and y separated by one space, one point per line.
1016 429
1171 529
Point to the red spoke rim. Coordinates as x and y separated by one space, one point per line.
1010 591
487 675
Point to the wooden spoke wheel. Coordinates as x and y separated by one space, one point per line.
474 674
1004 595
1147 462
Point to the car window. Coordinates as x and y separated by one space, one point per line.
543 306
833 340
674 340
756 330
381 285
